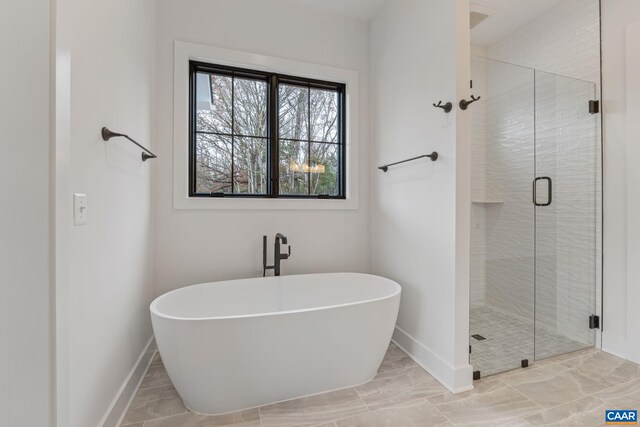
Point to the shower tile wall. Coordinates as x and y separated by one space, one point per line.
478 190
563 41
510 168
478 273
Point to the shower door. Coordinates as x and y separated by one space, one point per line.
536 209
565 197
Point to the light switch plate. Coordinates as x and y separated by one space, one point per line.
80 209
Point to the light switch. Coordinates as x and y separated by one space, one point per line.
79 209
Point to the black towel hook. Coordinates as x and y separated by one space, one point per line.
464 103
446 107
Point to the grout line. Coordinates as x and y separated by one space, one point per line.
412 365
606 387
557 406
394 406
438 411
406 401
369 410
335 422
568 402
360 397
542 408
609 388
153 419
147 402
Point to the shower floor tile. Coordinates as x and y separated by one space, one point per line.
405 395
508 340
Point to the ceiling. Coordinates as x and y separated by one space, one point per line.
359 9
505 16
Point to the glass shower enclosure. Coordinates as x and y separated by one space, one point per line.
535 215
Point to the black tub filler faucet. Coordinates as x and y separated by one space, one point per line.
277 255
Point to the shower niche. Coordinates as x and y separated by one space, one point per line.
536 194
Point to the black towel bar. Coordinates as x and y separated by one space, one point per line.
107 135
433 156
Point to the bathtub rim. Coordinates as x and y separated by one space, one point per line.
155 312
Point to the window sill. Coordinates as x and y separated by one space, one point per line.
221 203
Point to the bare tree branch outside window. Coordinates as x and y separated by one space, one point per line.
232 139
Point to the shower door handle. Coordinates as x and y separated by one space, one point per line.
549 190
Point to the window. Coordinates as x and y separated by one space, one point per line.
257 134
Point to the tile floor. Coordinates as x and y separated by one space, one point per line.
568 390
509 340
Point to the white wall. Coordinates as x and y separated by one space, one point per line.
420 210
103 315
621 334
633 179
209 245
25 376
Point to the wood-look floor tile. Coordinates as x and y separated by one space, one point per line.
156 376
248 418
313 410
157 359
605 368
553 385
622 396
563 357
490 403
415 413
572 386
395 359
144 411
585 412
149 394
402 385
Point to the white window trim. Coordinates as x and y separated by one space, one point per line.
183 53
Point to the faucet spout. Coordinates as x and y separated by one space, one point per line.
277 255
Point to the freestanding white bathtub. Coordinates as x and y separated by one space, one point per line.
239 344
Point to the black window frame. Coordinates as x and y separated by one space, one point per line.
273 81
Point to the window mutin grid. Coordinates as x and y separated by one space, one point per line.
273 159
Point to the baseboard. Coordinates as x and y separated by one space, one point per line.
120 404
456 380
